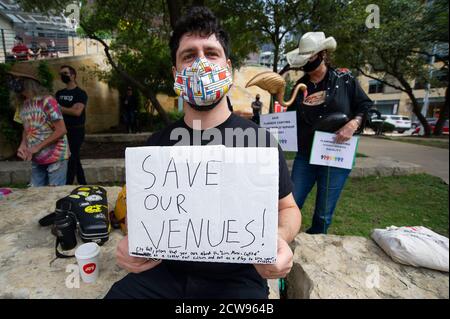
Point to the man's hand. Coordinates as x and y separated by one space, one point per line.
346 132
132 264
24 153
283 265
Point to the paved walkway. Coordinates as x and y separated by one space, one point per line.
434 161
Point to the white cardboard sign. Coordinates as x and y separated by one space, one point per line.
328 153
284 127
203 203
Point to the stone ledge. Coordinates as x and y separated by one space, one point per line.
113 170
329 266
26 250
118 138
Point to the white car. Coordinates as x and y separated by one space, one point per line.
402 123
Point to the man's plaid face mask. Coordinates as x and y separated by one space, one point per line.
203 84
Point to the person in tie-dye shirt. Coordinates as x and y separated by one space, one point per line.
44 140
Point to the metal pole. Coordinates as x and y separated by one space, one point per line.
73 46
3 43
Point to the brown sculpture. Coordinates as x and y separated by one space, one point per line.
276 85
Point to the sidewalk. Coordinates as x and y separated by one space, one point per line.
433 160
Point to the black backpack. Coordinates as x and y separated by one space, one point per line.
85 210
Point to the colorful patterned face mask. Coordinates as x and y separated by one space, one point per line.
203 84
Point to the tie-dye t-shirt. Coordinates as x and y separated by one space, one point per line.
37 116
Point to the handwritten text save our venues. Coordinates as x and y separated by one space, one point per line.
203 207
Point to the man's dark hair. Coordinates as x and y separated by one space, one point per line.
200 21
71 69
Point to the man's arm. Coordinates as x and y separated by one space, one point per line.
289 218
289 222
75 110
60 131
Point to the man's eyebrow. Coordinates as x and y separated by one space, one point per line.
188 50
211 47
193 50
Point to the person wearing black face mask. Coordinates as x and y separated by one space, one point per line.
334 103
73 102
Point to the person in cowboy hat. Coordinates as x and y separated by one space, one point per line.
44 140
334 103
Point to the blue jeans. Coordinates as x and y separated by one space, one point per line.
330 182
49 175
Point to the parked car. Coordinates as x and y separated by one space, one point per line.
401 123
432 123
417 123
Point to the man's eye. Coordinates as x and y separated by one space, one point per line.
188 57
212 54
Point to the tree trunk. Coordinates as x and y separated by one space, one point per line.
416 108
418 112
443 116
275 57
174 11
175 7
145 90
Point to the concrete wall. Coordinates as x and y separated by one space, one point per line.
6 150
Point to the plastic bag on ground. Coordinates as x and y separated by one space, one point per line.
416 246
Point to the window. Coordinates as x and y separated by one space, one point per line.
375 87
386 107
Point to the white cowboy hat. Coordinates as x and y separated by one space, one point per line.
311 43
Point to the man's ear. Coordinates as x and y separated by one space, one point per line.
230 66
174 72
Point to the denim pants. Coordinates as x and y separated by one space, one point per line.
49 174
75 136
330 182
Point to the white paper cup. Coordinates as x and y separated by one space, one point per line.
88 257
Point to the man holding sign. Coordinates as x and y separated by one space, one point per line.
176 184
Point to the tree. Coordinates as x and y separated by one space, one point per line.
138 33
437 17
269 21
397 52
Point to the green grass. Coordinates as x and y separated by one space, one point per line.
422 141
291 155
378 202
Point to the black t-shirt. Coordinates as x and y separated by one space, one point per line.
162 138
256 107
69 98
130 103
311 108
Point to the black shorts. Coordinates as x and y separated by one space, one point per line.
168 282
